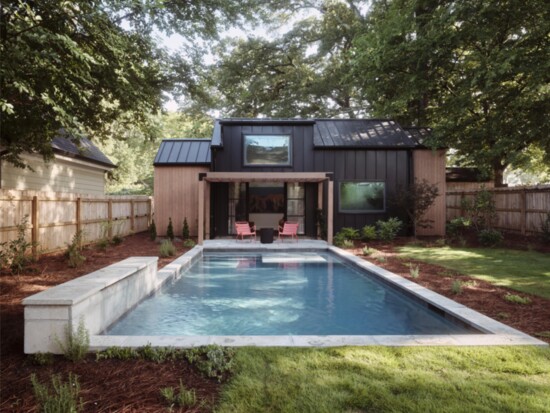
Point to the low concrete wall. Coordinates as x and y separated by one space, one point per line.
98 299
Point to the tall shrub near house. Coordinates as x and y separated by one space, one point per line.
170 230
415 201
153 230
185 230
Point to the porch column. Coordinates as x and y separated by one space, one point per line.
330 209
201 212
207 210
320 202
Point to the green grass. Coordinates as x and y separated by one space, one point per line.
387 379
525 271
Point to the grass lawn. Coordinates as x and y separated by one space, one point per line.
525 271
388 379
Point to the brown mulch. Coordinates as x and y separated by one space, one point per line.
134 386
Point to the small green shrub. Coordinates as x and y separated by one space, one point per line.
73 250
153 230
456 227
366 251
213 360
102 244
185 230
349 233
117 240
380 259
387 230
440 242
414 271
185 398
344 238
489 237
157 354
167 249
41 359
60 398
118 353
513 298
15 253
543 334
189 243
170 230
545 229
456 287
77 343
368 233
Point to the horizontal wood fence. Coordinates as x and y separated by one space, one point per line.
519 209
54 217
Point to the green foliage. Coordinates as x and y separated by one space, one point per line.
456 228
456 287
213 361
321 222
157 354
102 244
489 237
14 254
366 251
368 233
118 353
480 210
545 229
117 240
415 200
185 230
167 249
345 237
517 299
74 250
189 243
414 270
170 230
152 230
388 230
184 398
41 359
60 398
76 344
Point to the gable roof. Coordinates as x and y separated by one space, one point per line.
183 152
418 133
465 174
84 149
360 133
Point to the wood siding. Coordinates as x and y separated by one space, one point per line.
176 196
59 175
430 165
54 217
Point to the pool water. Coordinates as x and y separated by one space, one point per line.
247 294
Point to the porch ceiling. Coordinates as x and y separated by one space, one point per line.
266 176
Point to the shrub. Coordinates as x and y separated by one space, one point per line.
513 298
387 230
77 343
189 243
480 210
153 230
73 250
118 353
368 233
456 227
349 233
117 239
415 200
14 254
102 244
489 237
170 230
61 398
456 287
41 359
167 249
414 271
213 360
185 230
366 251
545 229
185 397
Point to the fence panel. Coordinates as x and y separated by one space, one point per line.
519 209
54 217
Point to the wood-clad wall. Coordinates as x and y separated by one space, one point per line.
176 196
430 165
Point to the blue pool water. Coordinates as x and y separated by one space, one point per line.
279 294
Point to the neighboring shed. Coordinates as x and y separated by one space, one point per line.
76 168
178 164
466 179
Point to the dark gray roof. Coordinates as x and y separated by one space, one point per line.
183 152
464 174
82 149
418 134
360 133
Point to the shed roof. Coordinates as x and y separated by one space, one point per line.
465 174
418 133
82 149
183 152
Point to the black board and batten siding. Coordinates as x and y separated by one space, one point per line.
367 150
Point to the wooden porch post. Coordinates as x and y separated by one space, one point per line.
201 212
207 210
319 204
330 211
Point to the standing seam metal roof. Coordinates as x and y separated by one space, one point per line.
183 152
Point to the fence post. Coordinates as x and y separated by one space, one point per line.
110 218
35 234
78 218
132 215
523 209
150 213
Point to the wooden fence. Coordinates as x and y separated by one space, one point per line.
519 209
54 217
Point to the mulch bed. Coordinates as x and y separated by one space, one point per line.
134 386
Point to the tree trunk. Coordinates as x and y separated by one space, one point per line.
498 173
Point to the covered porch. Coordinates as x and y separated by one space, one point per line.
325 199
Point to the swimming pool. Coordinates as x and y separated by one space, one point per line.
280 294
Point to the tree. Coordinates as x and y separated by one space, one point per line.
84 65
477 72
415 200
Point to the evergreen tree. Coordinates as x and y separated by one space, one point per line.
170 230
185 231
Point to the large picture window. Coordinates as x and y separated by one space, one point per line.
358 197
267 150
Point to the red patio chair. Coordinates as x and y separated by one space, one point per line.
244 230
289 229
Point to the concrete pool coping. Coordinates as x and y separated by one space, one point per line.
494 332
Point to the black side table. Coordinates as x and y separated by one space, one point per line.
266 235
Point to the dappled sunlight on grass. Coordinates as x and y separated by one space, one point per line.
525 271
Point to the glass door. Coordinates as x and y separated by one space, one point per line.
295 204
